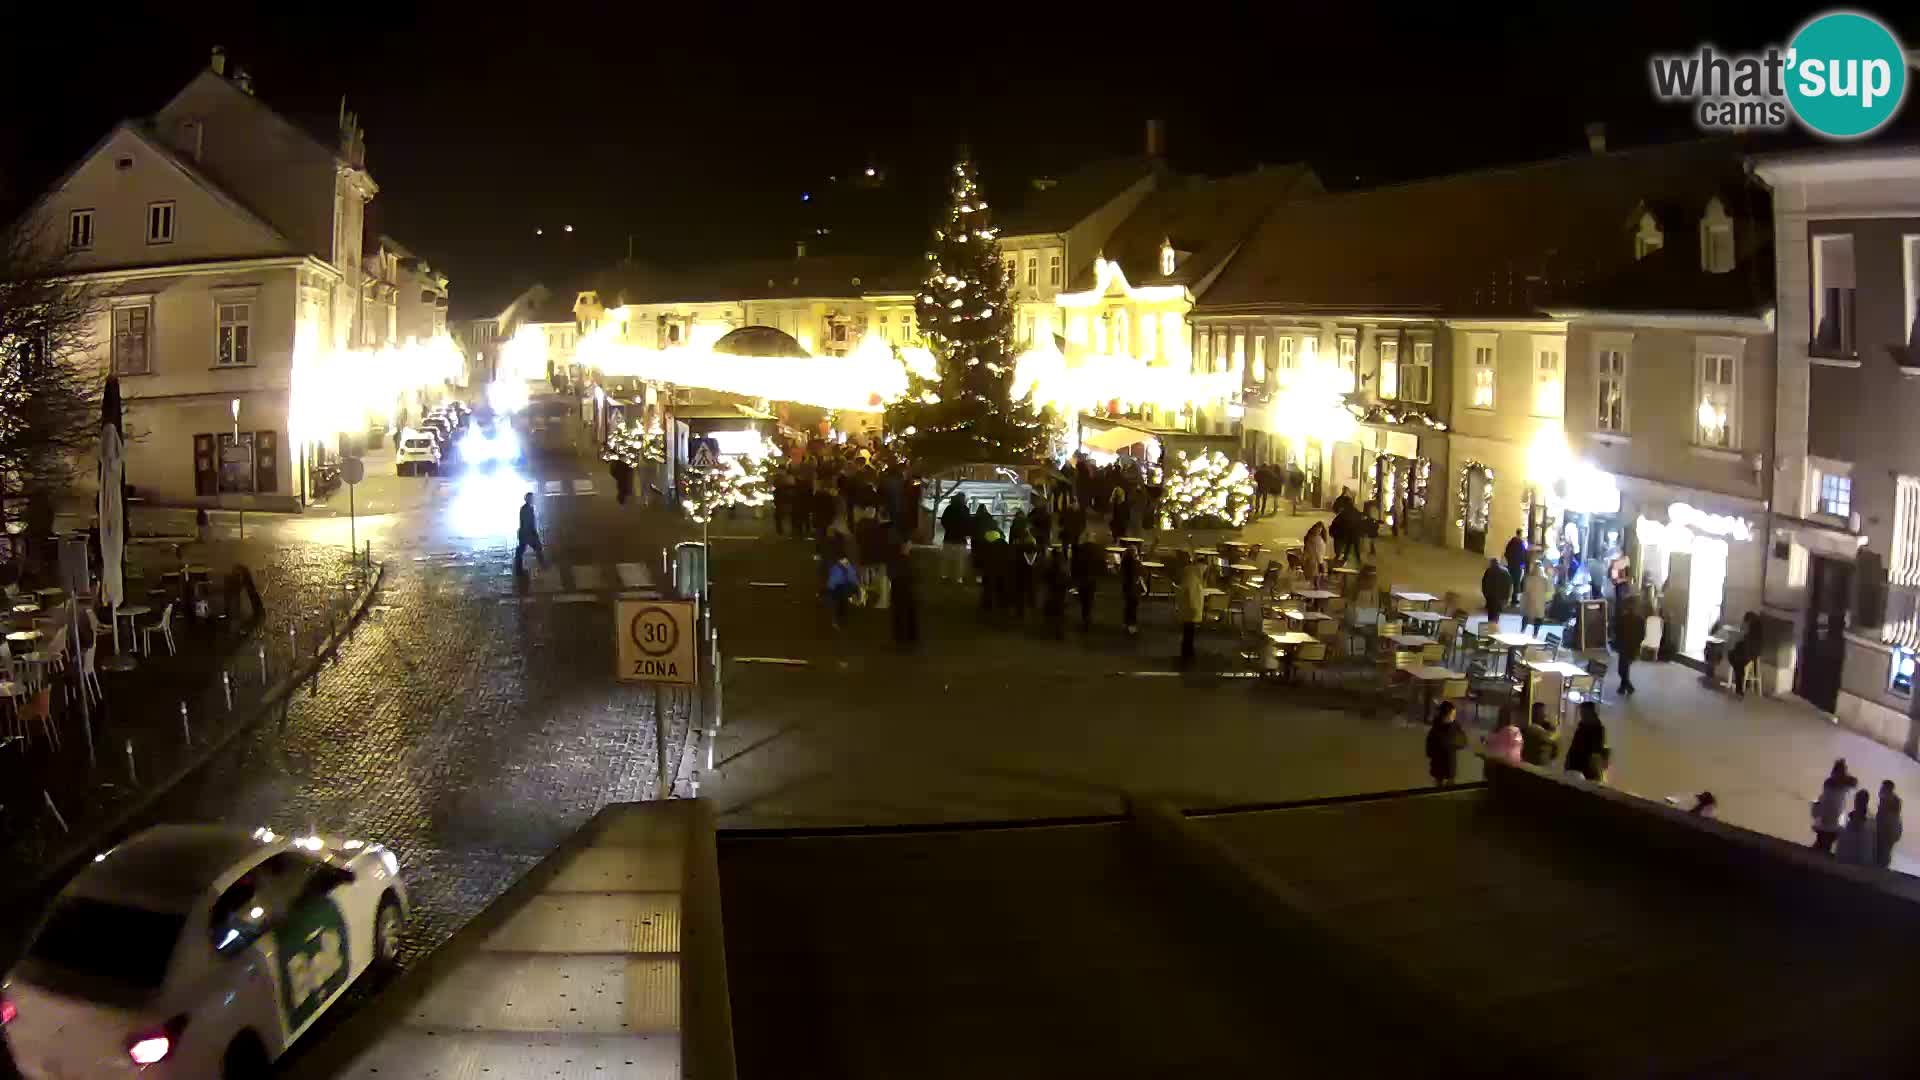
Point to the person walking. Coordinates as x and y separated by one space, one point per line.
1025 564
1832 803
1534 597
1119 514
1444 742
1540 739
990 562
1886 826
1855 844
1495 586
529 536
782 499
1313 553
843 581
1587 754
1086 570
905 599
1505 742
956 525
1132 587
1056 585
1629 634
1745 651
870 535
1040 520
983 524
1192 607
1516 555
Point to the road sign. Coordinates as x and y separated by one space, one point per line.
352 470
703 456
653 640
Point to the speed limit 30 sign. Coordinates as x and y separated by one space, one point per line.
653 641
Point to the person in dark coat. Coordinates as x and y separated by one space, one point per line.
1132 587
995 570
800 505
622 480
1516 555
1587 754
1073 523
983 524
1086 568
1495 588
529 536
1056 581
1540 738
1745 651
905 600
1629 633
1444 742
825 507
1025 562
1886 826
956 528
1041 522
1344 502
1119 514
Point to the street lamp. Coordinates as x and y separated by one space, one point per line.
234 408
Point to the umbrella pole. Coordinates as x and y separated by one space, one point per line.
116 628
86 715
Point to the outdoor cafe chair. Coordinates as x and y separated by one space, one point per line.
164 628
1447 633
1213 605
1311 659
89 677
1433 655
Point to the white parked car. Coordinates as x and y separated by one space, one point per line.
199 951
419 452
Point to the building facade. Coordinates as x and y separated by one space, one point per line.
1843 554
1056 232
223 244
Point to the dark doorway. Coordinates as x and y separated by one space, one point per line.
1474 514
1824 650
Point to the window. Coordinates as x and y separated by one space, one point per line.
1260 358
1202 347
1486 368
1610 389
1239 360
1910 264
1833 289
80 230
1903 568
1836 495
236 462
1648 238
1033 271
1149 337
1900 673
1166 258
1549 392
1416 376
160 223
1716 238
1283 350
1053 270
1171 333
1009 263
1348 358
1029 329
1122 341
1389 367
236 334
1219 352
130 328
1715 417
100 940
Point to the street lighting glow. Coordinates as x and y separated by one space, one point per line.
569 228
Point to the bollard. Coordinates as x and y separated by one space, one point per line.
133 775
226 683
263 665
186 732
56 811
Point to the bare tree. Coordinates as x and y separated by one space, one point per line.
49 387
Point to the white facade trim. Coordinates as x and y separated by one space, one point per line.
276 262
1654 320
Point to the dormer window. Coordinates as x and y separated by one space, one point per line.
1648 238
1716 238
1167 257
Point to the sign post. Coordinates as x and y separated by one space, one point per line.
654 643
352 470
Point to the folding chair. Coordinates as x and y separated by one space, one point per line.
164 628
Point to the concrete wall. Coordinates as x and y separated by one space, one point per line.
1867 703
205 226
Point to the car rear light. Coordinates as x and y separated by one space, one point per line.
7 1010
152 1047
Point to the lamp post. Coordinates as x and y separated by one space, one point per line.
234 407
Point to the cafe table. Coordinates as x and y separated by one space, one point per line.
1513 643
26 609
1288 643
1408 596
1431 677
1317 596
1411 641
1430 617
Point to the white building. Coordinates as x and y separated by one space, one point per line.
224 242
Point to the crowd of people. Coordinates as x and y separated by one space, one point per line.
1846 825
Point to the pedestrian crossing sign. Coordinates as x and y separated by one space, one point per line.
703 456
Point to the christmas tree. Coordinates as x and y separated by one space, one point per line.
967 413
1207 491
635 444
709 491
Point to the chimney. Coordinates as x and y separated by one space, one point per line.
1597 137
1156 138
243 80
800 249
219 64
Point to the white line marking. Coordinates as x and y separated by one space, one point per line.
586 577
767 584
782 661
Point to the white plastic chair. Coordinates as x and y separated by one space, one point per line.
164 628
89 678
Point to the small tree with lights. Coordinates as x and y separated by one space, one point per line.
968 412
711 490
635 444
1206 492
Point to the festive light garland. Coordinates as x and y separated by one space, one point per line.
1204 487
1486 493
1378 413
636 443
708 491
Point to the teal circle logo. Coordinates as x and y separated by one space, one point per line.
1846 74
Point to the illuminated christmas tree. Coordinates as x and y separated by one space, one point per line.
709 491
635 444
1204 492
967 412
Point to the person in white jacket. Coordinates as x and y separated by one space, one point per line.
1830 808
1534 597
1313 553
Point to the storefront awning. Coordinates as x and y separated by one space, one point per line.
1112 439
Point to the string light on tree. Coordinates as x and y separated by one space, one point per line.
636 444
709 491
1206 491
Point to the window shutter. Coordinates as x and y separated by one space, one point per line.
206 471
266 461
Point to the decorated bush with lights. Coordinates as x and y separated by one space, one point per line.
706 492
964 410
636 444
1206 491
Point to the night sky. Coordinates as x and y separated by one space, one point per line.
696 137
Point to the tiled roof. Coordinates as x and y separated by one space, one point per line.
1505 241
761 279
1067 202
1206 219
